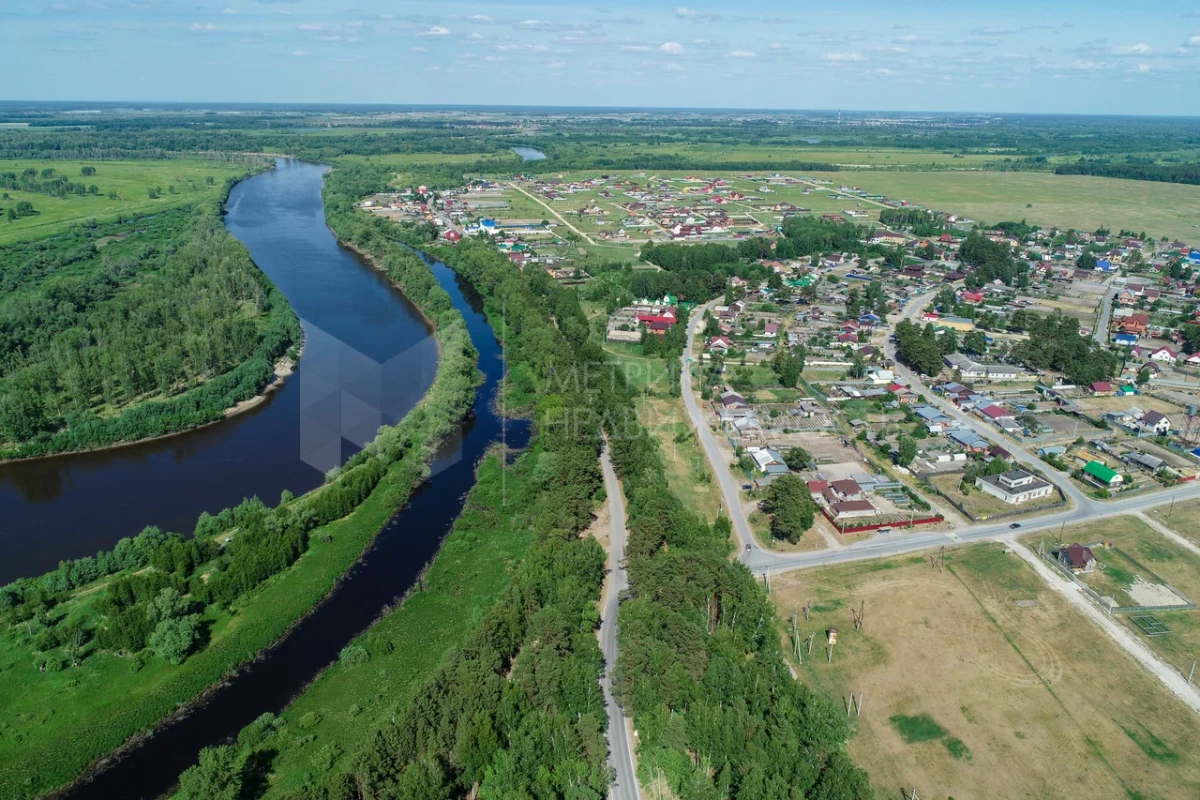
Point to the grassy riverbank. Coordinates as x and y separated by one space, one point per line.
56 723
59 719
340 712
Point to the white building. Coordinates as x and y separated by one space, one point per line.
1015 486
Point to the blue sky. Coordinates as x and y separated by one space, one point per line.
1074 57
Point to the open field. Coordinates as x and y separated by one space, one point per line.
130 180
1183 518
1116 575
853 157
1078 201
688 471
970 695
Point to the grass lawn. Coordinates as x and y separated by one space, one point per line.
131 180
1172 563
474 565
970 695
1077 201
55 724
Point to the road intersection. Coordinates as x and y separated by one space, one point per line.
1081 509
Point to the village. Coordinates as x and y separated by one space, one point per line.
1135 431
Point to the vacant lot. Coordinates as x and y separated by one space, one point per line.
1075 201
1098 405
969 694
179 181
1183 518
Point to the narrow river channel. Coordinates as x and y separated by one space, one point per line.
360 330
408 541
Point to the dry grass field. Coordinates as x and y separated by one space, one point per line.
981 682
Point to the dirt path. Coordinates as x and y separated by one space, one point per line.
560 217
1182 541
1165 673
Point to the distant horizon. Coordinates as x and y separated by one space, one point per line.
1082 57
135 105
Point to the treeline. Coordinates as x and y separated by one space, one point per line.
518 705
1164 173
51 183
717 711
173 308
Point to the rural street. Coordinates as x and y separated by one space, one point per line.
620 749
560 217
1082 509
730 488
1102 322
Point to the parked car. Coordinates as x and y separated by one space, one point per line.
1015 525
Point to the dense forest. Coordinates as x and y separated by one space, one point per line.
1167 173
132 329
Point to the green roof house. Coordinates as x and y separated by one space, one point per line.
1103 474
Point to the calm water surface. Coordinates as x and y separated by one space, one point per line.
370 357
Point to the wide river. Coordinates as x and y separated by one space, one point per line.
282 210
369 358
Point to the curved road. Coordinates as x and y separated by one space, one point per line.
620 749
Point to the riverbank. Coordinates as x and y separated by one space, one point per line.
283 369
121 705
206 249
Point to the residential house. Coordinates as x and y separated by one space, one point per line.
1015 486
1164 355
1102 389
852 509
1103 475
1156 423
846 490
720 343
1077 558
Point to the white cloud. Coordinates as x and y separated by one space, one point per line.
743 54
436 30
1140 48
884 71
672 48
479 18
419 49
636 48
230 12
1192 41
1141 68
684 11
674 67
776 46
1084 65
203 27
557 64
299 53
842 57
474 36
309 27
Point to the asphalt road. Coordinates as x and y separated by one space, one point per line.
1102 323
620 749
730 488
1082 508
